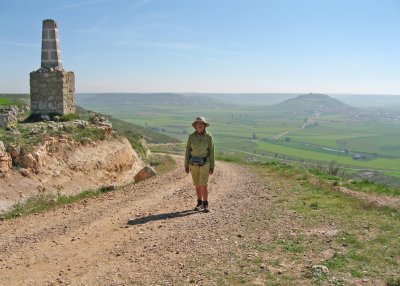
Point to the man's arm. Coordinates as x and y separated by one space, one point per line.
212 154
187 155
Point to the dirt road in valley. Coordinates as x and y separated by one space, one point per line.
146 234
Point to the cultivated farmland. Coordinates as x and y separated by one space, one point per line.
357 139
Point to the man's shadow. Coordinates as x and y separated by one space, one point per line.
143 220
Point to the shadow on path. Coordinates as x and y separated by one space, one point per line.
143 220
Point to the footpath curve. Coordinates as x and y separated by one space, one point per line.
146 234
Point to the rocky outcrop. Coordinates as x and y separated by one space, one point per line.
5 159
101 121
62 165
8 117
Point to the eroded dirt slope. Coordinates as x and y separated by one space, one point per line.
70 168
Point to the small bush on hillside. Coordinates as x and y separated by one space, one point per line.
393 282
69 117
334 169
134 139
330 172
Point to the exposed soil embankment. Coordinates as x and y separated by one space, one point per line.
68 167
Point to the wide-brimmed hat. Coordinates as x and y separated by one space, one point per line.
200 119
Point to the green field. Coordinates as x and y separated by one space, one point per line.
5 101
249 130
13 99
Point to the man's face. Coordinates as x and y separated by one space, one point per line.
200 126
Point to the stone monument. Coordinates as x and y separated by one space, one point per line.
52 88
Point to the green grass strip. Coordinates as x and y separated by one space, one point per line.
5 101
44 202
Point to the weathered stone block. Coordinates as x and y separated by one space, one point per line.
145 173
52 92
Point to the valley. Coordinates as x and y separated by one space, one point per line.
312 129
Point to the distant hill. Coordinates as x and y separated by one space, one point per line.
248 99
314 102
125 99
244 99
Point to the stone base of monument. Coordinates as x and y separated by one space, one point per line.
52 91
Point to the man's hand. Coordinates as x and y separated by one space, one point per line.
211 171
187 170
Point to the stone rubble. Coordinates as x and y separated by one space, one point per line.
5 159
9 117
101 121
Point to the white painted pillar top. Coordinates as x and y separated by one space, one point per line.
51 50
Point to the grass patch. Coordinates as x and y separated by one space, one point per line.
283 169
44 202
69 117
374 188
25 140
368 248
293 245
162 163
393 281
86 133
135 141
261 247
364 238
227 158
33 134
337 262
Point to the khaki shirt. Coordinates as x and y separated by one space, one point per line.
200 145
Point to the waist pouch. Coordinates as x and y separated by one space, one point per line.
198 161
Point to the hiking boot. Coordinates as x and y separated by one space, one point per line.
205 207
199 205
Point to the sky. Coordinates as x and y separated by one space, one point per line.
232 46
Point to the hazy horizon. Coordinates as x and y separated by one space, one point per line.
244 93
355 100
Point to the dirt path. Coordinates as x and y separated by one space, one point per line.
146 234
